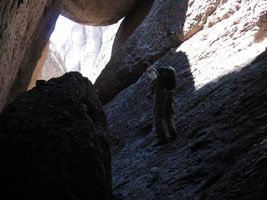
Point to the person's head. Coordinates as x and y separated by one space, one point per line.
152 73
146 64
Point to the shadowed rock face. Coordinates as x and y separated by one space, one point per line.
130 23
220 105
151 39
53 143
25 30
220 152
96 12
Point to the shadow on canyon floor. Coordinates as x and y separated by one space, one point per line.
220 151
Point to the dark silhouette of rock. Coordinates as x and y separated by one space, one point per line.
53 143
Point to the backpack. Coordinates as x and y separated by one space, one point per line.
168 77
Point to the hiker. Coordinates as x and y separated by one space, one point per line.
163 81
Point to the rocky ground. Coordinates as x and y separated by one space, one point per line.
219 51
218 48
221 149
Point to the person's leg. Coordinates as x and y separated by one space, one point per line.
168 115
159 107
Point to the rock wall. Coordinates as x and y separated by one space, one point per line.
219 51
130 23
155 36
105 52
25 29
81 49
236 27
220 152
50 65
38 69
85 49
53 143
26 26
54 65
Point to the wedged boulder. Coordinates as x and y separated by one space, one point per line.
211 30
53 143
130 23
96 12
161 30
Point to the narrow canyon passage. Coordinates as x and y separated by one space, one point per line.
72 137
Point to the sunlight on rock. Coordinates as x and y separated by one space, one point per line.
85 49
225 40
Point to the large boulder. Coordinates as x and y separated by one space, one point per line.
161 30
130 23
96 12
53 143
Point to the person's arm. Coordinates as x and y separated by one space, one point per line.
152 88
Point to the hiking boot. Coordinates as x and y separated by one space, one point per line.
161 142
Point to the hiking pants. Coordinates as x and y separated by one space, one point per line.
163 111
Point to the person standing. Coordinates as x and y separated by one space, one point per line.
163 82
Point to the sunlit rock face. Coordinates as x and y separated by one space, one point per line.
218 37
50 65
53 143
81 49
230 37
85 49
108 39
96 12
39 66
54 65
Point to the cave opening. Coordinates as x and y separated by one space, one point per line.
76 47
